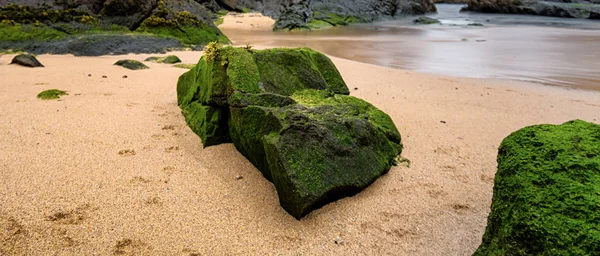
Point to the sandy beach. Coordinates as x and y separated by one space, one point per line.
112 167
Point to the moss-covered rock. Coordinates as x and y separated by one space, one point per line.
288 111
25 14
131 64
43 26
171 59
52 94
186 20
546 192
26 60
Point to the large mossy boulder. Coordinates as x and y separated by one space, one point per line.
288 111
546 192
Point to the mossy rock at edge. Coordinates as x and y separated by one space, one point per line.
131 64
546 192
288 111
52 94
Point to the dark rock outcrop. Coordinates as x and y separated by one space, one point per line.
26 60
127 13
567 9
288 111
51 26
546 192
185 20
131 64
304 14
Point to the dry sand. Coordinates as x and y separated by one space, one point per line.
112 168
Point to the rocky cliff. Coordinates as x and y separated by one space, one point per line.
565 8
97 27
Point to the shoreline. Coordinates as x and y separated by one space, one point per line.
435 50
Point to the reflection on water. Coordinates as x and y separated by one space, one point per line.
502 48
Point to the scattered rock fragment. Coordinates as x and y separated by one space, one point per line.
131 64
26 60
426 21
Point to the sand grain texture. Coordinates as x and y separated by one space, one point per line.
112 168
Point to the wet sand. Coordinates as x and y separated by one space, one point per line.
112 168
564 56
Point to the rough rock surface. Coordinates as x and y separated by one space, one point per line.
51 26
26 60
546 192
288 111
304 14
565 9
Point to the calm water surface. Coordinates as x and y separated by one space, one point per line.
548 50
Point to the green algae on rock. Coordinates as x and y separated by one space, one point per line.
546 192
131 64
288 111
114 27
52 94
174 19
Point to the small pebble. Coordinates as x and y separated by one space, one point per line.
239 177
443 122
89 74
338 240
356 88
104 77
125 76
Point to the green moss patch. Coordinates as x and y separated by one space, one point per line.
183 25
52 94
32 15
51 29
546 192
131 64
